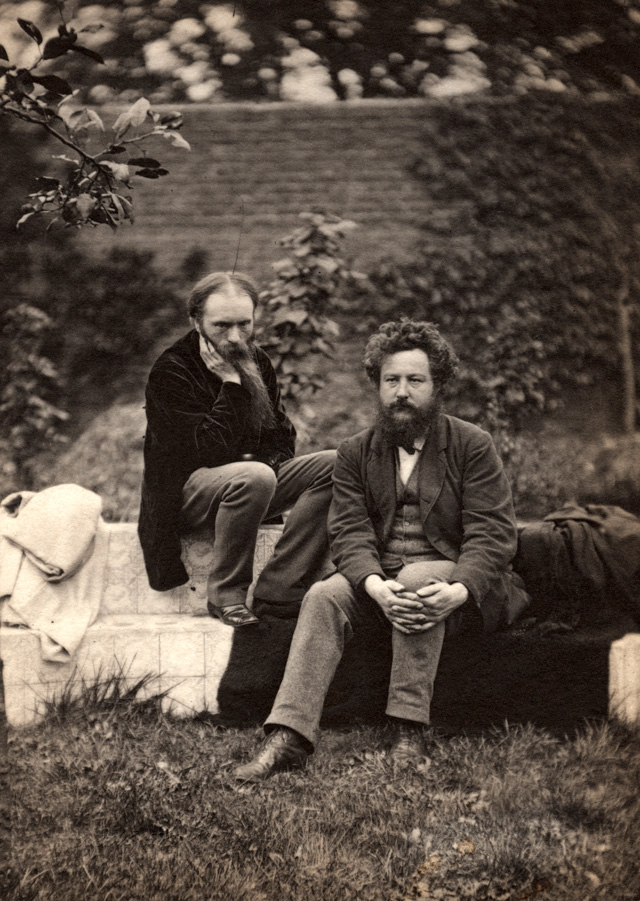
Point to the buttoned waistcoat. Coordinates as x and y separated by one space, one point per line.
466 510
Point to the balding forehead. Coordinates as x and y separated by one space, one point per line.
226 293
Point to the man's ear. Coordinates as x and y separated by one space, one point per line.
196 326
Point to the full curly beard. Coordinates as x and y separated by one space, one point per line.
402 424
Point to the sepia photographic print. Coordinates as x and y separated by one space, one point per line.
319 450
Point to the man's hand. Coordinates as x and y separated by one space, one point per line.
403 609
439 599
215 364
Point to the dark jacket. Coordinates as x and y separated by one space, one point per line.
195 420
465 504
582 564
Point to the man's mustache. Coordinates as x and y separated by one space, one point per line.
401 405
234 351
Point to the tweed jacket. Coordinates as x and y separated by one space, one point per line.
466 510
194 420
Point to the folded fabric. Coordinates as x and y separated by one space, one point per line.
54 527
53 556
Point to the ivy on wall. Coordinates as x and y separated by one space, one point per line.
530 236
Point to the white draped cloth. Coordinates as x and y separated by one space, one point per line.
53 556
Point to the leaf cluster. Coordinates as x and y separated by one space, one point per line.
95 189
297 306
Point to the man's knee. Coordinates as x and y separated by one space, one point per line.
327 459
332 595
417 575
234 482
323 463
253 477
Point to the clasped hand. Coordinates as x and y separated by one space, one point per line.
415 611
215 364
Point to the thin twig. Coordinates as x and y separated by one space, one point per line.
56 134
235 262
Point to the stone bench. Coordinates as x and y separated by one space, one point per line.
138 632
201 664
624 679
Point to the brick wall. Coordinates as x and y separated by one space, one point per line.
281 159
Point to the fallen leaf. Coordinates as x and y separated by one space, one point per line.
429 865
465 846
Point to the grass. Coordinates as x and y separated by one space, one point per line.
114 800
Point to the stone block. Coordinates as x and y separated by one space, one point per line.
22 659
121 583
20 650
184 697
136 651
95 656
182 654
217 653
14 702
624 679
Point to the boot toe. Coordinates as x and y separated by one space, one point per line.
281 751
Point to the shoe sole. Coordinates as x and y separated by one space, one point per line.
255 779
216 615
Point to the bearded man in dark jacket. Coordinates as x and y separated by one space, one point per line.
219 452
422 531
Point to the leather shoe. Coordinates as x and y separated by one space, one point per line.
283 749
235 615
408 743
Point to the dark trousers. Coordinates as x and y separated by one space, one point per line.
234 499
330 612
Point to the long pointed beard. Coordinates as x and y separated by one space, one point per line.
240 356
403 430
262 415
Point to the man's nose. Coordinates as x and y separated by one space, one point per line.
233 334
403 389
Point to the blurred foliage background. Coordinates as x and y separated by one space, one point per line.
322 50
528 256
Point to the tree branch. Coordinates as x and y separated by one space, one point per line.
56 134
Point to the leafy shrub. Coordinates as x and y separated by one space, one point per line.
373 48
29 381
108 310
98 319
297 305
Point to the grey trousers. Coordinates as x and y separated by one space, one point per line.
234 499
330 611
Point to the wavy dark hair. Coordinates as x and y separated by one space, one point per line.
215 282
409 334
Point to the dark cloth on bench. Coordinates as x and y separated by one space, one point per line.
582 564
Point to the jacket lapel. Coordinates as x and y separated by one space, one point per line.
433 467
381 477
